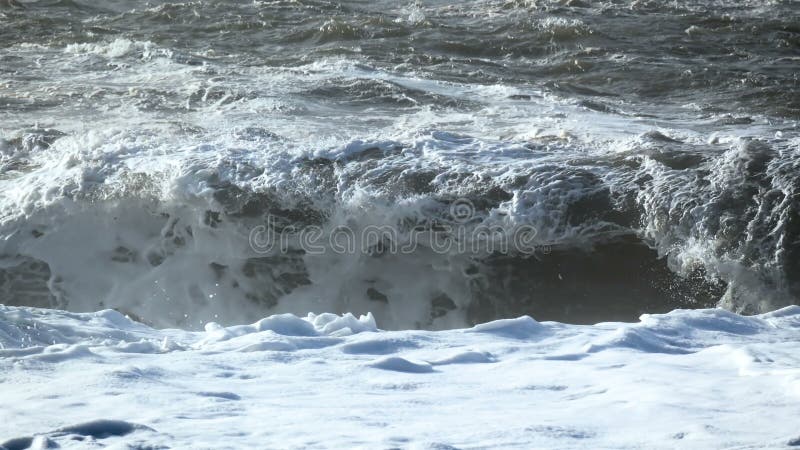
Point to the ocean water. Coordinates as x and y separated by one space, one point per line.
436 163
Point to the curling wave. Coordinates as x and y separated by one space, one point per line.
167 237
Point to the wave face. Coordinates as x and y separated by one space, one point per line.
175 161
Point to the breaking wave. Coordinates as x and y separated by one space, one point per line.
105 221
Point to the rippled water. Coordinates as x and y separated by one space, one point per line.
653 145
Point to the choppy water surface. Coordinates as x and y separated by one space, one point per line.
652 145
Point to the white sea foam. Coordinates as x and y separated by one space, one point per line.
373 388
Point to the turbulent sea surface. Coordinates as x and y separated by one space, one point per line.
652 145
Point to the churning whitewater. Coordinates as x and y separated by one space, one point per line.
652 147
